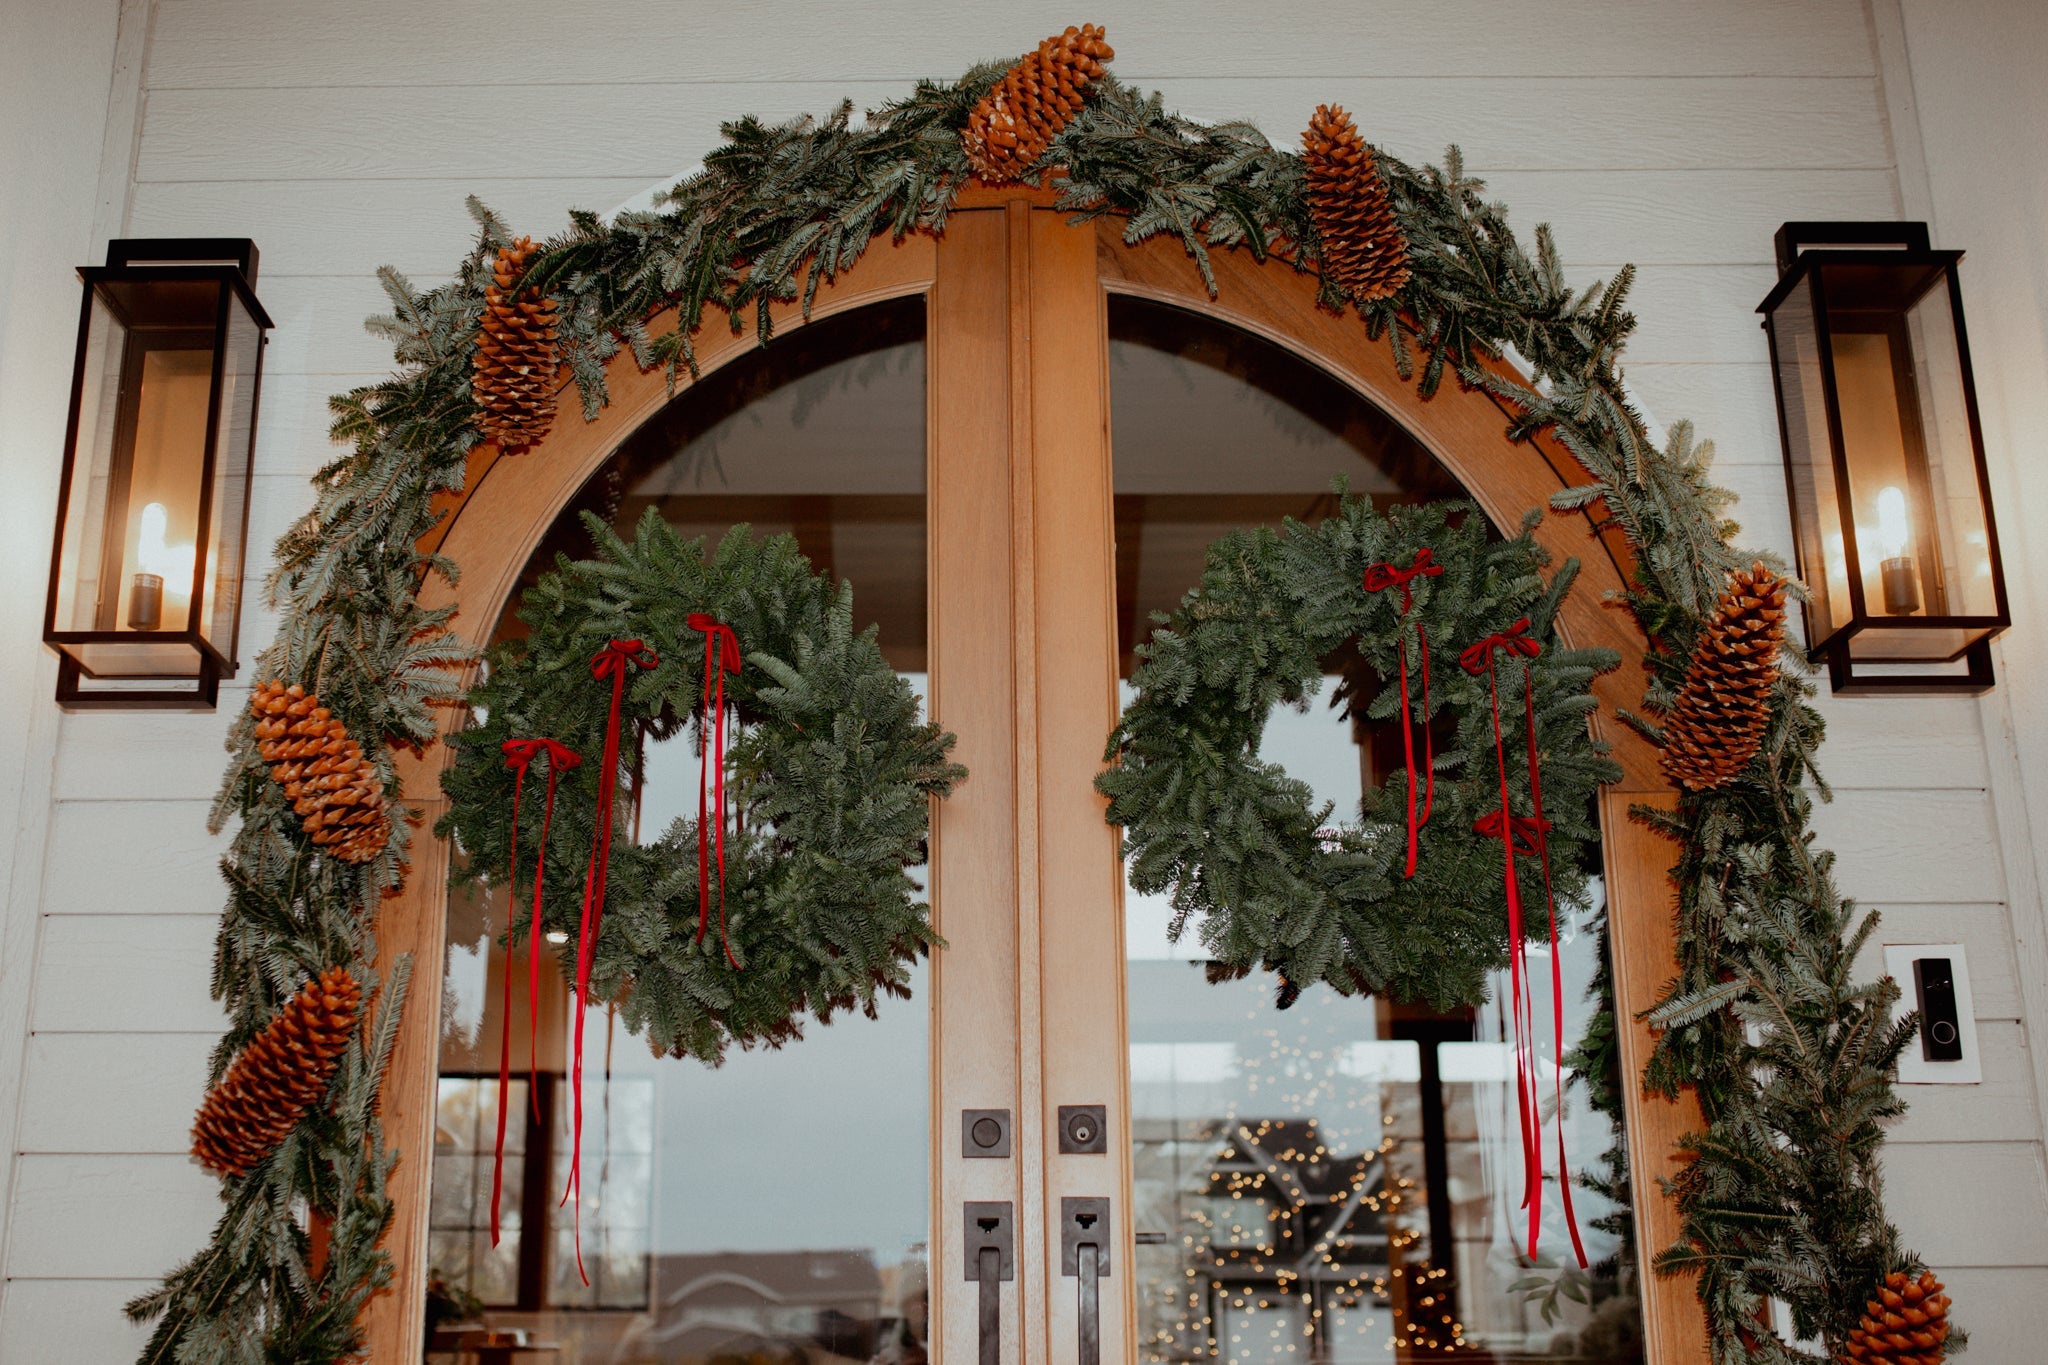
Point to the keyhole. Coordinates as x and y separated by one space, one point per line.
1083 1130
1086 1220
988 1224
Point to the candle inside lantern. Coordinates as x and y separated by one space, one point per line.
163 572
1894 532
146 592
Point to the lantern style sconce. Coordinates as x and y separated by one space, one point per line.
1884 460
152 512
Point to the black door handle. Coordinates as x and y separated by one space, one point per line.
991 1253
1090 1317
990 1334
1084 1254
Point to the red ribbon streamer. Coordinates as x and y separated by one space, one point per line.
1378 578
1528 835
613 664
721 656
519 753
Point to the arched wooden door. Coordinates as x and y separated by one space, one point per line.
1029 1000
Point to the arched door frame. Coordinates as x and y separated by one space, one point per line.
508 503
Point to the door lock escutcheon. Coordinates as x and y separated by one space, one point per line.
1084 1129
1084 1253
984 1132
989 1244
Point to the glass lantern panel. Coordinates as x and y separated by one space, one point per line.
82 539
233 451
1959 501
1915 643
1922 543
130 538
1809 458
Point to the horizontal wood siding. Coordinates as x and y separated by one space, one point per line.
346 135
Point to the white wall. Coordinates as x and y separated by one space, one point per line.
56 66
344 136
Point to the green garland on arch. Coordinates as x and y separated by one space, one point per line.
1786 1050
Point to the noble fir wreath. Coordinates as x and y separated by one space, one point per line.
831 776
1767 1022
1246 852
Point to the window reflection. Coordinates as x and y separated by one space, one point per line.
1338 1181
774 1209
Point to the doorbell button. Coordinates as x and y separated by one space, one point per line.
1940 1038
1934 984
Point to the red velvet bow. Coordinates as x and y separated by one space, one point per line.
721 656
614 664
519 755
1378 578
1529 836
1528 831
1478 656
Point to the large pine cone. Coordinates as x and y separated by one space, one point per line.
1906 1324
278 1077
1010 128
333 788
1718 720
513 374
1362 248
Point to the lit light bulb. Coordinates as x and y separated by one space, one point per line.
153 555
1893 529
146 592
151 551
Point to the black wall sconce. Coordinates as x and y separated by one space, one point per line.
152 513
1884 459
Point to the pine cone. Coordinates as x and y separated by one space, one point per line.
1362 248
334 789
1014 123
1718 720
278 1077
513 374
1906 1324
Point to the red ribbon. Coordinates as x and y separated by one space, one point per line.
1378 578
613 664
721 656
519 753
1528 835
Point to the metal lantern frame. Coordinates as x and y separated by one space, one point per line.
1878 247
231 265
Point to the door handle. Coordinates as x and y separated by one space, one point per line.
990 1244
1084 1254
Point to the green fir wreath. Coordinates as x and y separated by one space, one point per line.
832 773
1248 854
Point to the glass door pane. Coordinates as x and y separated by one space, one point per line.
775 1208
1335 1180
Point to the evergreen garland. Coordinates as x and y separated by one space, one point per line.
1242 847
1791 1058
833 775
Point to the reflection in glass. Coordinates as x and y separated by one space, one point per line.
1340 1181
774 1209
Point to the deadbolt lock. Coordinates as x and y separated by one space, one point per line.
1084 1129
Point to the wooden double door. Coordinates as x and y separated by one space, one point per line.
1030 609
